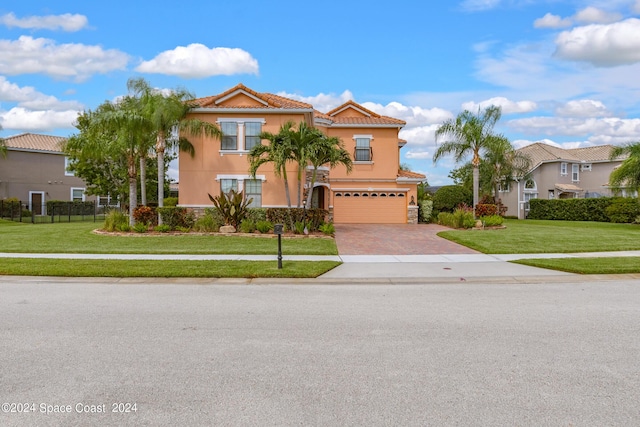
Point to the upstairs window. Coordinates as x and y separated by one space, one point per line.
252 132
77 194
575 173
229 135
67 164
363 150
563 169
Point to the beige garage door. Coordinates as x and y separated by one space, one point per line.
352 207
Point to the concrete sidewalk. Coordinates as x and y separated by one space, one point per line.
364 267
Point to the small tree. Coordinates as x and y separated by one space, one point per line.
628 174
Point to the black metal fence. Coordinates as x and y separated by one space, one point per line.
50 212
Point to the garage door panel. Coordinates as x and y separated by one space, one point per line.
370 210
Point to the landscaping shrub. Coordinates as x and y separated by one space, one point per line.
447 198
176 217
328 228
257 214
232 206
140 228
299 228
114 220
425 208
163 228
492 220
170 202
314 217
183 229
460 218
11 208
570 209
264 226
125 228
247 226
208 223
486 210
63 207
145 215
623 210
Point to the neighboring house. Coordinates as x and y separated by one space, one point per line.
35 171
376 191
558 173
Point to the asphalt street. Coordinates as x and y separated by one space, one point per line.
91 352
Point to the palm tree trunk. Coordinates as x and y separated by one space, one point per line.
143 181
160 147
133 189
286 192
476 186
311 184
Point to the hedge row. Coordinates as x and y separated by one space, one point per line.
599 209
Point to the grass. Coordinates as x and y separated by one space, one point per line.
536 236
79 238
614 265
170 268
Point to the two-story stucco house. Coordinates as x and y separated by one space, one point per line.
35 171
558 173
376 191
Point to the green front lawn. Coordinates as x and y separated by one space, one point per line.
164 268
79 238
614 265
537 236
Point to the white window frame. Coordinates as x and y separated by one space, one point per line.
256 203
77 188
240 179
370 153
575 172
240 133
504 187
532 188
109 200
563 169
585 167
67 163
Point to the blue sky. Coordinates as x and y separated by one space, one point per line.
564 72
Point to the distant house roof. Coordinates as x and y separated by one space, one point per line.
411 175
543 153
348 114
35 142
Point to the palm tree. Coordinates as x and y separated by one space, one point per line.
327 150
504 164
168 114
279 151
302 141
467 134
627 175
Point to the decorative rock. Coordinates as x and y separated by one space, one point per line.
227 229
478 224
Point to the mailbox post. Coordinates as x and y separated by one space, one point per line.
279 229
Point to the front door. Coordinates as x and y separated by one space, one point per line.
317 198
36 202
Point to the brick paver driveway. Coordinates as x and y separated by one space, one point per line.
395 239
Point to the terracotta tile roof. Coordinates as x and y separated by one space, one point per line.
32 141
541 153
409 174
272 101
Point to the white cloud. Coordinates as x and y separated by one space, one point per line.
198 61
593 15
596 130
30 98
414 116
322 102
66 22
419 136
418 155
552 21
72 60
583 108
19 118
508 106
602 45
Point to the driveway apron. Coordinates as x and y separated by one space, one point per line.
395 239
